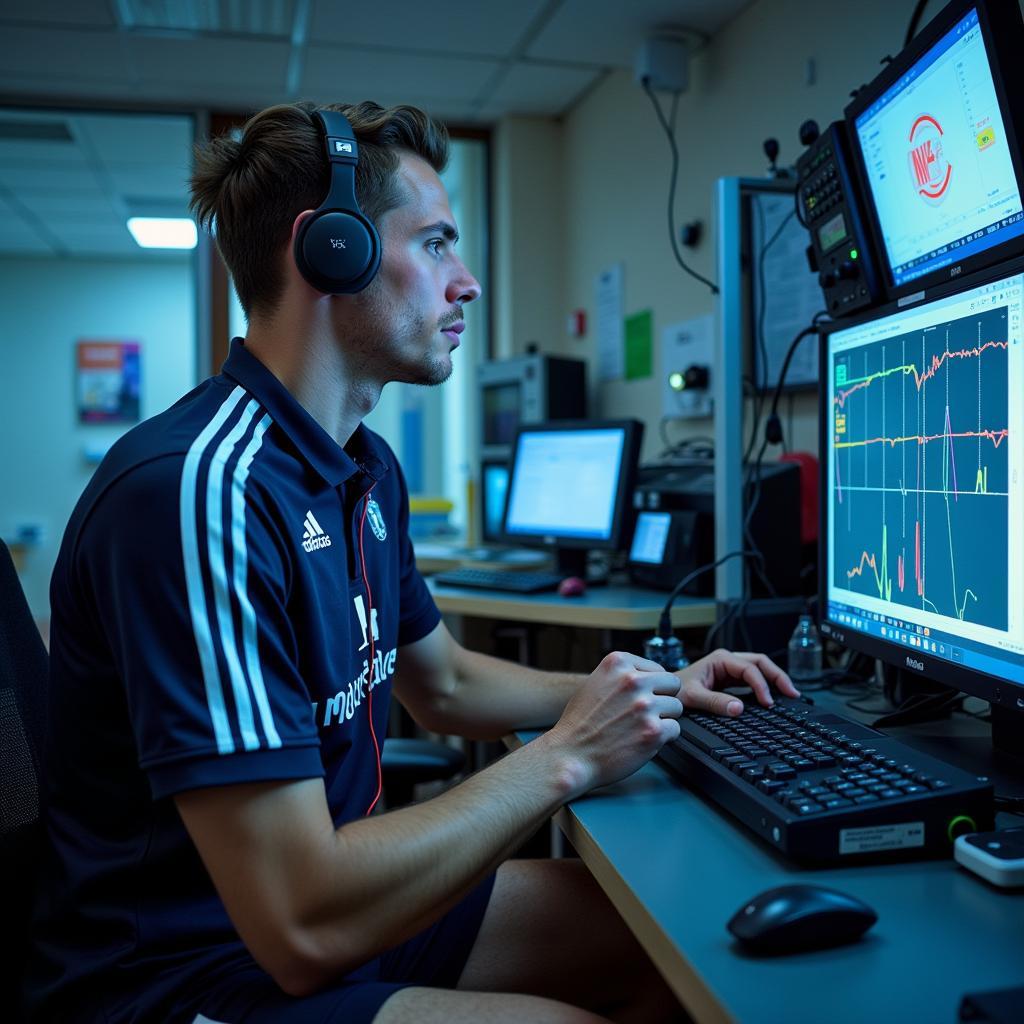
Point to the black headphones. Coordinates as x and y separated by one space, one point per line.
337 248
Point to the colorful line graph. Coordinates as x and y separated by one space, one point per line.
920 437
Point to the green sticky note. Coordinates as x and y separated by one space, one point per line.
639 345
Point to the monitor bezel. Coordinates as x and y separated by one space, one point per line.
632 437
972 681
1002 30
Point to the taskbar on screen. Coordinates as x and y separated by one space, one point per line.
915 637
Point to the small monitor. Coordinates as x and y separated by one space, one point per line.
650 537
493 489
571 484
923 487
935 142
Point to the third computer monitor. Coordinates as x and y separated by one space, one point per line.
935 139
571 484
923 487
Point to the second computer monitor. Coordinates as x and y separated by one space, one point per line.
923 487
571 484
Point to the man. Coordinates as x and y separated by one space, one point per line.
234 599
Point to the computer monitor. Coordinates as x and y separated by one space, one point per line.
935 139
922 498
571 487
493 488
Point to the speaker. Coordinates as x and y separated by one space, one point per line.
337 248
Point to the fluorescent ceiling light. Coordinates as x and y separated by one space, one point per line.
164 232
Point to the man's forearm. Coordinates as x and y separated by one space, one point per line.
491 697
412 865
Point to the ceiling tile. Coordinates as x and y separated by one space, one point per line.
614 30
50 56
451 26
60 12
29 153
540 89
211 62
158 181
352 75
79 181
59 208
133 138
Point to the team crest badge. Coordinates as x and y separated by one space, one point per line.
373 513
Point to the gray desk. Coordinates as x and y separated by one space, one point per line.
677 868
599 608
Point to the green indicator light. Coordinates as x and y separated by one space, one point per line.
960 825
853 254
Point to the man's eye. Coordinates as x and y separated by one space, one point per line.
435 245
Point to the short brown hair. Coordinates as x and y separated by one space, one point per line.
250 190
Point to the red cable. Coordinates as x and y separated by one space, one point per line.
369 677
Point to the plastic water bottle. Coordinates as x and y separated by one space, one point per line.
805 650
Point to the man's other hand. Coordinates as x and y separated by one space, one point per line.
721 668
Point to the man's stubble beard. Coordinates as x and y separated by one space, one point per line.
384 348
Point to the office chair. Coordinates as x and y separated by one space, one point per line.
407 761
23 687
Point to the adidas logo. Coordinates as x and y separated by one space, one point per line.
314 536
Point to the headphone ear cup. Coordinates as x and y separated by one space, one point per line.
337 251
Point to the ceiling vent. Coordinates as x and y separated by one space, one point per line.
252 18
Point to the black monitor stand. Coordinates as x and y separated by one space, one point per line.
1008 738
571 561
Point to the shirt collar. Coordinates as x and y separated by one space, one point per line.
363 453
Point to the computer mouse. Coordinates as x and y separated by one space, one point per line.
795 918
572 586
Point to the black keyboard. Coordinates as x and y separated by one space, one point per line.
512 580
821 788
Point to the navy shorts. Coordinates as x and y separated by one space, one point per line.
435 958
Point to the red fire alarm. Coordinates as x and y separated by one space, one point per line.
577 323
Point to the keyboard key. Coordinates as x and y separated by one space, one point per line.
867 798
722 752
832 802
808 807
889 794
770 786
780 771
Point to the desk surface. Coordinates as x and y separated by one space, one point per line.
677 868
598 608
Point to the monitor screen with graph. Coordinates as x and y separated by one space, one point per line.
922 558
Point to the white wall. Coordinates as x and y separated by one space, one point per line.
46 306
593 190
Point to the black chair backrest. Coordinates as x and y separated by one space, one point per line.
23 688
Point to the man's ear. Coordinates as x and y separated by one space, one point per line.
297 223
291 266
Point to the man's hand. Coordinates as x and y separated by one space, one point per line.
617 720
726 668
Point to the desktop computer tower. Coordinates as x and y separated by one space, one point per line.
682 495
524 390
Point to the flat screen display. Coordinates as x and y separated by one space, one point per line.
495 487
566 484
937 158
924 422
650 538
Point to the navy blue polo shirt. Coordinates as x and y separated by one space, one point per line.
210 625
